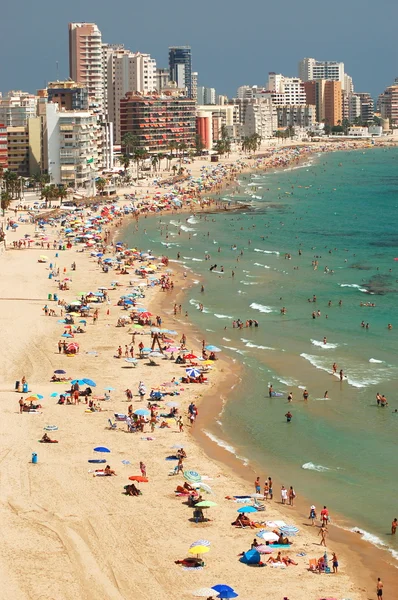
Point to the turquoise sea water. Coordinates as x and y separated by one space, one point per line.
341 210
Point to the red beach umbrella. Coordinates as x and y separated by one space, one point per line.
139 478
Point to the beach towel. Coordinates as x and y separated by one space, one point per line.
192 568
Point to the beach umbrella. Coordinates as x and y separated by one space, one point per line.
206 488
200 543
101 449
177 446
247 509
251 557
213 348
74 347
268 536
191 372
90 382
190 356
139 478
221 587
61 321
257 496
55 394
173 404
227 594
289 530
199 550
34 397
156 354
263 549
60 372
192 476
78 381
142 412
109 389
131 360
171 332
146 350
66 335
203 592
206 504
83 321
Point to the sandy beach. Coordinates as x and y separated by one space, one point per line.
68 534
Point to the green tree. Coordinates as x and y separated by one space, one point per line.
124 160
345 125
139 155
5 201
100 185
154 162
199 145
11 183
220 147
130 142
62 192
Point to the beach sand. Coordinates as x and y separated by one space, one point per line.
67 534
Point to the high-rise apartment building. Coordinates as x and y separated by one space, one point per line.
327 97
134 72
72 139
367 107
180 67
206 95
86 61
162 79
16 108
310 69
286 90
24 148
3 147
194 80
260 118
156 121
68 95
388 103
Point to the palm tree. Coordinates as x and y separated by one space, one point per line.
124 160
220 147
139 154
154 162
100 184
62 193
174 169
50 192
130 142
11 181
161 156
5 201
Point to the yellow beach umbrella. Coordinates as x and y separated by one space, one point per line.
199 550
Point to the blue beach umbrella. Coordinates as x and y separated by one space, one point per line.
61 321
227 594
79 381
247 509
101 449
220 587
251 557
55 394
140 310
89 382
146 350
109 389
213 348
191 372
192 476
60 372
66 335
130 360
142 412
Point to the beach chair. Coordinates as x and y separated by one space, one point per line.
112 425
313 565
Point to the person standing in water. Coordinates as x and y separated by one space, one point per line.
288 416
271 391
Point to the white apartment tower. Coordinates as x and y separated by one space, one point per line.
286 90
85 61
133 72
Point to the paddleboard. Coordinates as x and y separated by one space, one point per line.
277 395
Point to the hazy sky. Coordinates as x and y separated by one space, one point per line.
233 42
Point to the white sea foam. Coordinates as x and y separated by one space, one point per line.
327 346
309 466
289 382
175 223
185 228
222 316
226 446
257 197
250 345
260 265
192 220
374 540
196 304
249 282
261 308
240 292
267 251
353 285
354 379
226 339
374 360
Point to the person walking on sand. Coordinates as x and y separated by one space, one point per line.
379 588
257 485
21 405
335 562
292 495
323 533
142 469
283 495
312 515
180 424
